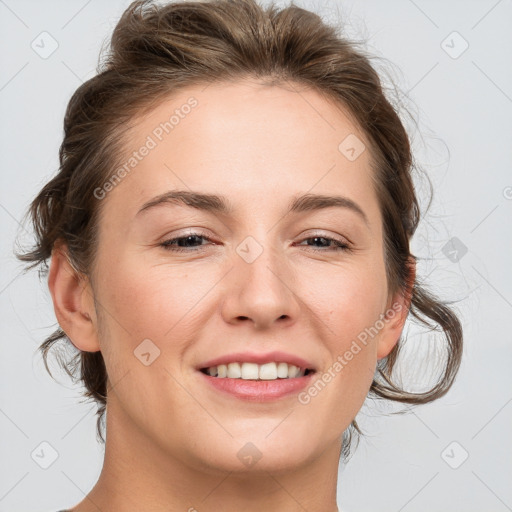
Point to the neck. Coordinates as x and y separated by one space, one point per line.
137 474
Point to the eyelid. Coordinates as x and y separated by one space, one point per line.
326 234
340 244
202 232
165 242
183 232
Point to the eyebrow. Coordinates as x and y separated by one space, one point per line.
221 205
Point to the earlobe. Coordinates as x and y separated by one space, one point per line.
396 314
72 301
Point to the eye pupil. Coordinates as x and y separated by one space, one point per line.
316 238
185 240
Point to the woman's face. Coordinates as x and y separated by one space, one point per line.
263 279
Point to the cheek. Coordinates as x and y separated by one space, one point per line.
348 297
349 302
166 304
149 300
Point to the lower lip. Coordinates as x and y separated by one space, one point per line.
259 390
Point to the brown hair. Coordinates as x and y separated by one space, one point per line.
156 50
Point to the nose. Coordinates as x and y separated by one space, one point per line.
261 291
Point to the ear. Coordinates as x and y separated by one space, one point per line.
396 313
73 301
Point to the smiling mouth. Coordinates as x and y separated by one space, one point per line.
252 371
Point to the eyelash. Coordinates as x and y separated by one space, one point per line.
340 246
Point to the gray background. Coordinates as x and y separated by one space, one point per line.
463 141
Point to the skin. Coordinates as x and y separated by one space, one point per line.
172 442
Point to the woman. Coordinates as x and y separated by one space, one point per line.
229 242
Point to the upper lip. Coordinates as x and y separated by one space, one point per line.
253 357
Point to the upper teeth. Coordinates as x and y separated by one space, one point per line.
253 371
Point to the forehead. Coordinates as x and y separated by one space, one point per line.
255 143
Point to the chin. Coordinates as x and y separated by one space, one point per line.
275 452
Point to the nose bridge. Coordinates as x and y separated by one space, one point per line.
262 266
261 287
